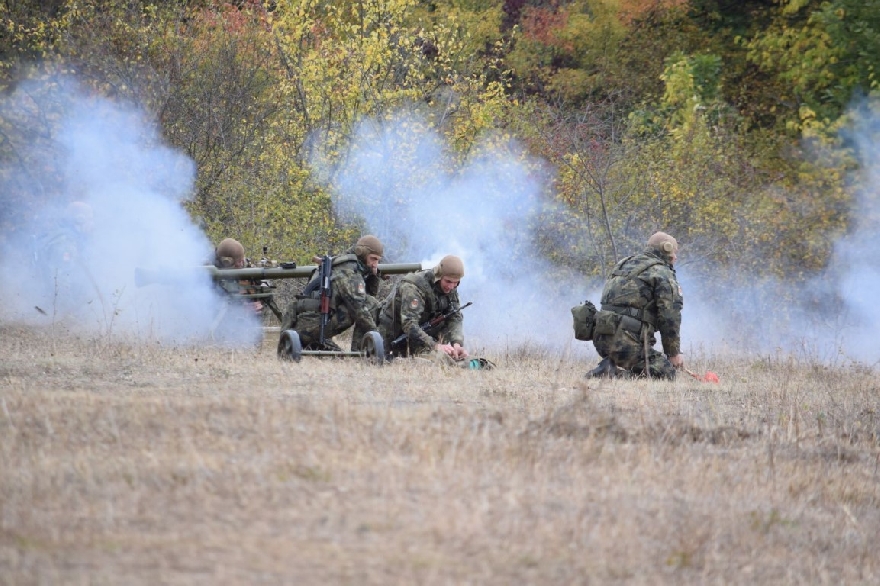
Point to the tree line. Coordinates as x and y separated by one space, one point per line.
719 121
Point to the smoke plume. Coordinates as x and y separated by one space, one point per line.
826 318
401 183
67 146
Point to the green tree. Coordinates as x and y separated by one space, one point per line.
823 52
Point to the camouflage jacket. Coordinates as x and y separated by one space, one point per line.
351 283
644 286
416 299
61 248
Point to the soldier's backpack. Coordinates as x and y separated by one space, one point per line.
584 316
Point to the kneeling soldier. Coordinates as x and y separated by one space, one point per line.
354 283
420 297
641 297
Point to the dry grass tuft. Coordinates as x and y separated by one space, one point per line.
127 462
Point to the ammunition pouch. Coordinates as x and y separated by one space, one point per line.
308 305
606 323
631 324
624 310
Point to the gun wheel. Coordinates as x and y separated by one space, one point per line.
290 346
374 347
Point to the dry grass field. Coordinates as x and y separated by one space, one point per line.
132 463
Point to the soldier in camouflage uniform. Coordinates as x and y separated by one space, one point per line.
229 254
62 257
641 297
419 297
354 283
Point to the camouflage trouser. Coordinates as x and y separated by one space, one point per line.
301 315
626 350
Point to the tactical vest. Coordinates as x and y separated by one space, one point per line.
313 289
626 294
424 281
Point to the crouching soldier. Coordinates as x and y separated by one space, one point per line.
641 297
354 284
419 298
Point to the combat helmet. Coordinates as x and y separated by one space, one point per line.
663 243
368 244
228 253
449 266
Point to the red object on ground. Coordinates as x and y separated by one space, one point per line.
709 377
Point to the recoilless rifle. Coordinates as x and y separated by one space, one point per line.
264 275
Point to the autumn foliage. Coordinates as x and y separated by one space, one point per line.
702 118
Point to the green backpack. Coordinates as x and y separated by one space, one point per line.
584 316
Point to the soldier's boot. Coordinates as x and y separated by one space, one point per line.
331 346
605 370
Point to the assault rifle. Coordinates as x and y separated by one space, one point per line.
324 272
398 344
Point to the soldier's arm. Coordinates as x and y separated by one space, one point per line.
669 305
412 310
453 332
352 291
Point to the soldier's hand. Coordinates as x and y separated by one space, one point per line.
454 351
446 349
677 361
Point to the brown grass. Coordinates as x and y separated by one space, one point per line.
133 463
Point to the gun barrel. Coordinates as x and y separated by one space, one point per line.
302 272
176 276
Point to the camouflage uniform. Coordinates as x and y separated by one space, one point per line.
60 259
229 255
247 291
353 303
416 299
641 297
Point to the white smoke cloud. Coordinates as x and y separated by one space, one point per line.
402 184
111 157
855 266
828 318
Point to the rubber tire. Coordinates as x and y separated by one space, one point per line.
374 347
290 346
